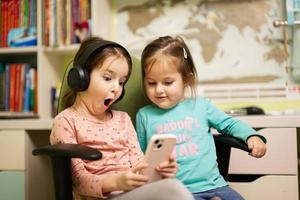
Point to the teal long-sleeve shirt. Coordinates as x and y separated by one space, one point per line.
191 121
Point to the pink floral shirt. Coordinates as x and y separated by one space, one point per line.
116 139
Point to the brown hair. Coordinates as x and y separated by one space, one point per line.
175 47
97 59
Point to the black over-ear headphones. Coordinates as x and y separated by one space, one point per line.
79 76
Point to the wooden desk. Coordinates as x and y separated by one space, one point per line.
278 169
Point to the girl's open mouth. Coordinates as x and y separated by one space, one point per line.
107 102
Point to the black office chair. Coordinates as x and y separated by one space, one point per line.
61 154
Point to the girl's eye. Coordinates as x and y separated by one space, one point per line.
168 82
122 83
151 83
106 78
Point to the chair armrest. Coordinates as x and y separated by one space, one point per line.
224 143
68 151
232 142
61 155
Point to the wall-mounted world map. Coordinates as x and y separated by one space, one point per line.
232 41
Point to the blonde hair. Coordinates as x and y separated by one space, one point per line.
174 47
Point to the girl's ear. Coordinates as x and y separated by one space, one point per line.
187 82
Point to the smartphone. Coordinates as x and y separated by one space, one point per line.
158 150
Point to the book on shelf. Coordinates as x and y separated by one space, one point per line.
18 84
15 14
54 98
18 37
12 87
2 88
7 88
65 22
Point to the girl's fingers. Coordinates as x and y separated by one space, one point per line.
137 179
168 175
170 169
171 159
258 150
257 146
138 182
131 184
250 145
169 163
139 167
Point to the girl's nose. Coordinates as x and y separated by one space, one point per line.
115 87
159 88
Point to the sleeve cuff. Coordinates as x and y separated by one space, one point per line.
260 136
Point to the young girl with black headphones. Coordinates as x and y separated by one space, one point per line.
101 69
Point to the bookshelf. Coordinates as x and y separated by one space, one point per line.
28 131
50 59
19 50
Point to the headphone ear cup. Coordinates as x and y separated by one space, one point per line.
86 80
78 79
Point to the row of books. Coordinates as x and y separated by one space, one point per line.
54 98
65 22
16 14
18 88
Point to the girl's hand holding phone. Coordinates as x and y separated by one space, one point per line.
131 179
158 156
168 169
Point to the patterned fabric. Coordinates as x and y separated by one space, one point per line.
116 139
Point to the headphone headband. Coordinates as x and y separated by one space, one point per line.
79 76
95 47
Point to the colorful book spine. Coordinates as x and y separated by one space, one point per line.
13 71
7 87
32 18
17 87
26 103
32 89
21 88
16 14
2 87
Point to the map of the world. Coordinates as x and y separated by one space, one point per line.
232 41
